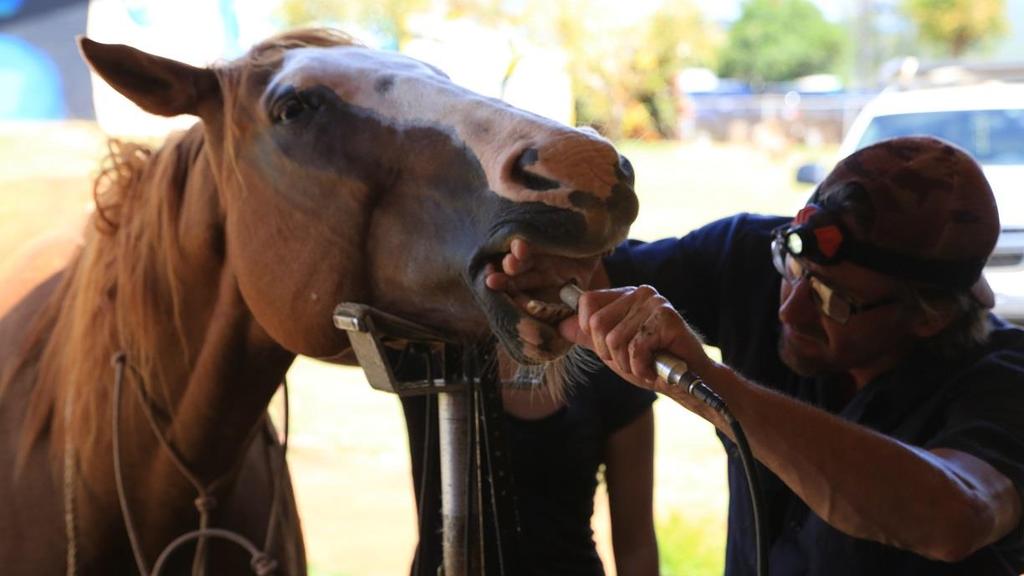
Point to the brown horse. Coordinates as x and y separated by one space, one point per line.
320 172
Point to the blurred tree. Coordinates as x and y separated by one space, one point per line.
675 37
388 18
879 31
958 25
777 40
496 13
623 71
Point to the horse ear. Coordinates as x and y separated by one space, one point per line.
157 85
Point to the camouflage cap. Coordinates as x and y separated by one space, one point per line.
929 200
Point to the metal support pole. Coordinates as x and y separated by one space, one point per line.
471 444
453 418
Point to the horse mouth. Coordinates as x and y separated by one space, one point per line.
543 305
526 320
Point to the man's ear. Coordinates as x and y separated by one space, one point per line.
935 319
157 85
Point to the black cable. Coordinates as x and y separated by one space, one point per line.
428 433
753 485
471 492
675 372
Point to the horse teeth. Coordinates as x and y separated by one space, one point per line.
547 312
539 310
534 307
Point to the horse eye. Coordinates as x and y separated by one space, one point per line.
289 109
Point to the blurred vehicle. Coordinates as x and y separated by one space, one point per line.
987 120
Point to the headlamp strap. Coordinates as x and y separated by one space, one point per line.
832 243
950 273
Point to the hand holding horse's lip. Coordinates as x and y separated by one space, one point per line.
538 302
522 304
531 278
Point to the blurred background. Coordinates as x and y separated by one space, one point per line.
719 104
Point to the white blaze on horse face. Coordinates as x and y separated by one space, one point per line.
526 158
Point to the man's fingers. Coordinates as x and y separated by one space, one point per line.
619 339
647 341
520 249
600 311
570 330
512 265
518 259
595 300
610 317
497 280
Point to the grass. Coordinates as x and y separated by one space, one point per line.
687 547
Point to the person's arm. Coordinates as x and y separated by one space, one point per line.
629 473
942 504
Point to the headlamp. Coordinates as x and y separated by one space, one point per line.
818 235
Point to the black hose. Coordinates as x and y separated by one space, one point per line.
754 486
676 373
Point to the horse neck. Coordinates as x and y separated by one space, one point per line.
174 308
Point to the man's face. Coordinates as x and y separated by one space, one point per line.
868 344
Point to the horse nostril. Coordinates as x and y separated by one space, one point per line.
626 170
533 181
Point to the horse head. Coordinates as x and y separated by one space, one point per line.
349 174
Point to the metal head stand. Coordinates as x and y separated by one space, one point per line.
480 522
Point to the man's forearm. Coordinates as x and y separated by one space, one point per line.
862 483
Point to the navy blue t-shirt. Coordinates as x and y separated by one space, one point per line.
721 279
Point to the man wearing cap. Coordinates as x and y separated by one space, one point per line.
884 404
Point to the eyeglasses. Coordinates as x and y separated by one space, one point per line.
832 303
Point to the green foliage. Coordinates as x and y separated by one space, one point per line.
623 73
958 25
689 548
776 40
671 40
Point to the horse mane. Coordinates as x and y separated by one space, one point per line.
121 287
269 51
115 293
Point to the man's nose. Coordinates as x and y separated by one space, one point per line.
796 303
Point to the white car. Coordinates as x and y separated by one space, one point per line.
985 119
